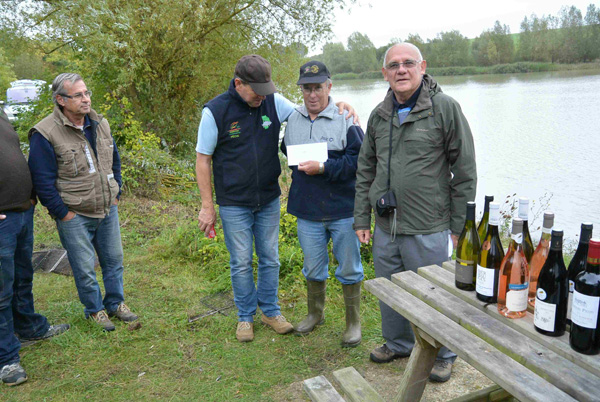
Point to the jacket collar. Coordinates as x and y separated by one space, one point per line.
329 112
429 88
62 120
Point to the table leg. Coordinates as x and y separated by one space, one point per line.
419 367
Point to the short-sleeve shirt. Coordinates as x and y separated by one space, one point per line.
208 131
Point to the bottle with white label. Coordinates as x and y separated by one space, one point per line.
577 264
513 281
585 329
550 317
539 256
524 215
490 258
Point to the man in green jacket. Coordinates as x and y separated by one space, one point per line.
429 172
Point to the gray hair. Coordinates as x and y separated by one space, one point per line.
410 45
58 84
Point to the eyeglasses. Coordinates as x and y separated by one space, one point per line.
407 64
308 90
78 96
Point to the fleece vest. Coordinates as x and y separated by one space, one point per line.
85 182
15 180
246 164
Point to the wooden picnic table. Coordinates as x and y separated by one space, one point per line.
510 352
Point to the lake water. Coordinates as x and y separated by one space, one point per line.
536 135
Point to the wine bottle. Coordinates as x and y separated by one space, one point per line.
485 219
513 283
490 258
585 332
550 317
539 256
467 252
578 262
524 215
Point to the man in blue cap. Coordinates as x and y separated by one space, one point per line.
322 198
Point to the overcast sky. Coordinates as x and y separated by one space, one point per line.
382 20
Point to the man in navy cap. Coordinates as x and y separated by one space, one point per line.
239 137
322 198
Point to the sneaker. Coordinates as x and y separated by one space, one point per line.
102 319
383 354
278 323
13 374
245 331
441 371
123 313
53 330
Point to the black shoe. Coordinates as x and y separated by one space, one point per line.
441 372
53 330
383 354
13 374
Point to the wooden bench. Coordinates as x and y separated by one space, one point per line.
528 365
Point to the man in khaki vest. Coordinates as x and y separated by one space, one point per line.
76 173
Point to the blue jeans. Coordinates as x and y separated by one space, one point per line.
80 237
314 236
17 313
242 226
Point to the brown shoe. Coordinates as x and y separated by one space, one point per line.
383 354
123 313
102 319
245 331
278 323
441 372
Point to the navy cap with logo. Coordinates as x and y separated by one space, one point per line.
313 72
256 71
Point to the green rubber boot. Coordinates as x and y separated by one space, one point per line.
352 335
316 304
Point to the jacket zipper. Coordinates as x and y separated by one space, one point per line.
256 163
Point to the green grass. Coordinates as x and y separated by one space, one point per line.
169 267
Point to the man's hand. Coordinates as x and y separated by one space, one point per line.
2 216
311 168
454 240
364 236
206 219
116 202
70 215
351 111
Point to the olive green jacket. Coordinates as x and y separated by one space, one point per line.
433 172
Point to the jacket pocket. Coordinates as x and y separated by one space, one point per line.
81 195
105 153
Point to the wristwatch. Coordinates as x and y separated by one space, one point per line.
321 168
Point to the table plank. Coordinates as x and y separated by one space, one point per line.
355 387
560 345
571 378
319 389
513 377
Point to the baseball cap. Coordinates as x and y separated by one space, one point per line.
256 71
313 72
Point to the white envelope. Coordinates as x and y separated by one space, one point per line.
306 152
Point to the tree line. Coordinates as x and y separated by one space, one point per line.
568 37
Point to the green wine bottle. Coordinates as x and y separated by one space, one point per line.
482 229
467 252
490 259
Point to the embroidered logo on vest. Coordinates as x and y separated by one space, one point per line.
266 122
234 130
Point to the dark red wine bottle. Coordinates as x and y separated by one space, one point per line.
578 262
551 297
585 332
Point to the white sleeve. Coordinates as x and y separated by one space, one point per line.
208 133
284 107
